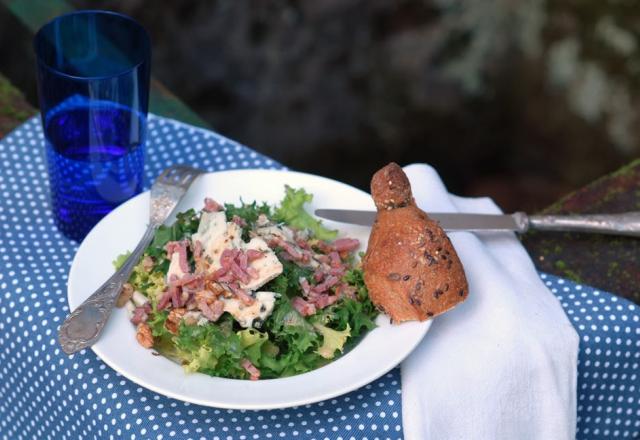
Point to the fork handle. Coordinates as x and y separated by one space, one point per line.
83 326
626 223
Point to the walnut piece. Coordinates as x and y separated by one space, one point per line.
125 295
144 336
173 320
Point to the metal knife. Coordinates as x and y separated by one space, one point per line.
627 223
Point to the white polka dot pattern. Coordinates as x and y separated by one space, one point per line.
46 394
608 361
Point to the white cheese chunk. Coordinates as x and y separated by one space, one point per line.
212 226
139 299
246 315
174 267
216 234
271 232
312 264
131 307
268 266
263 220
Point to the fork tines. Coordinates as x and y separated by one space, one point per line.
181 175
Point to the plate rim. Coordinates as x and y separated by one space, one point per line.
97 348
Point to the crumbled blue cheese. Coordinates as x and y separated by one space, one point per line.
271 232
258 311
215 235
268 266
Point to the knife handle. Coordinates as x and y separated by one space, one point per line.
626 223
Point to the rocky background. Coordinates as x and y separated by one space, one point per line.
522 101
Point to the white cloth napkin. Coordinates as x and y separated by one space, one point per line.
501 365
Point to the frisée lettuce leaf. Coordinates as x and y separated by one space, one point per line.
332 340
291 211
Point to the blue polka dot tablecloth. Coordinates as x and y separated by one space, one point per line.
46 394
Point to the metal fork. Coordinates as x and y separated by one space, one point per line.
83 326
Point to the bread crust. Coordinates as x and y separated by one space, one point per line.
390 188
411 269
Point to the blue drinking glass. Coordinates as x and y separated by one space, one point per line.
93 83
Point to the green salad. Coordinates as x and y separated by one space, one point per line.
249 290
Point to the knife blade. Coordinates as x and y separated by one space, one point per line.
448 221
623 223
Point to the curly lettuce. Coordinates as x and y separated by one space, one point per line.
291 211
332 340
120 260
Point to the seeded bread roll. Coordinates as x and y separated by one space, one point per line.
411 269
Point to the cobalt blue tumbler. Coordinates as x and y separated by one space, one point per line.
93 84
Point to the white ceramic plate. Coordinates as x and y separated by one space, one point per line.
378 352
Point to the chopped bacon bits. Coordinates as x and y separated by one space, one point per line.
141 314
164 300
335 259
211 205
179 247
253 255
254 373
242 295
346 291
291 250
176 296
235 266
304 284
211 311
239 273
337 271
345 244
303 307
303 244
185 280
322 246
322 301
239 221
325 285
